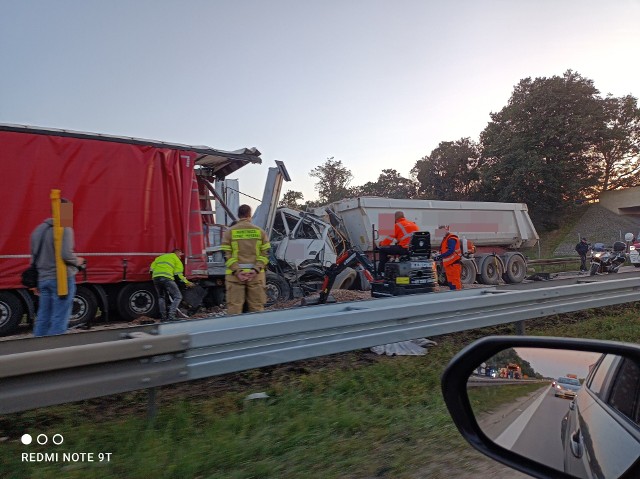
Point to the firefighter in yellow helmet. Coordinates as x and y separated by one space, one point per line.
246 248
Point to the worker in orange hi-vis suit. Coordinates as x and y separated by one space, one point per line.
402 232
451 257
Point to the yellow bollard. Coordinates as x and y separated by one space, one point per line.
58 231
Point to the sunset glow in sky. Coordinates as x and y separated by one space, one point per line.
372 83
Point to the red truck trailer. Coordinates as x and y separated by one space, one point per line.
133 200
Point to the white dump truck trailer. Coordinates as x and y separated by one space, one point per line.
497 230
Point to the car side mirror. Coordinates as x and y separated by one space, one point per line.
549 407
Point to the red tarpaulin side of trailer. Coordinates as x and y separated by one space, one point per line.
131 203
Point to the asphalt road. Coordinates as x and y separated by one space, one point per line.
573 277
533 431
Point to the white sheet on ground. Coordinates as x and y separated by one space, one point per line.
415 347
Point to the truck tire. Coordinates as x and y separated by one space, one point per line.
215 296
277 288
137 299
85 307
11 312
491 269
468 275
345 279
311 279
515 269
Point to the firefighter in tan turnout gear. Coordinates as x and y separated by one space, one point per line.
246 248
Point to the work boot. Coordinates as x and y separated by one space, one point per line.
172 317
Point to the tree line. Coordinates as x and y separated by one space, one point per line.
557 143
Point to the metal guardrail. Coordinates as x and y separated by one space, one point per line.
209 347
479 381
550 261
46 377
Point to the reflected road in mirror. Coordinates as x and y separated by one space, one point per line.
577 412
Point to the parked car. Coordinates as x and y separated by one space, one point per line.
565 387
600 433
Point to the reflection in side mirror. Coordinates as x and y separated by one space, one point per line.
530 424
575 411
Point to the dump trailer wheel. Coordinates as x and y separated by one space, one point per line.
11 312
515 269
277 288
85 307
137 299
468 275
491 270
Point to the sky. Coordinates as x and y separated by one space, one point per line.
374 84
556 363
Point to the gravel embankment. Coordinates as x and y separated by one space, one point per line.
598 225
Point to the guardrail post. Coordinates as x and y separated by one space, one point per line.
151 404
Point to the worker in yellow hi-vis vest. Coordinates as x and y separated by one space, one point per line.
246 248
164 269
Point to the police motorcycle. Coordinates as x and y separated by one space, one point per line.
607 261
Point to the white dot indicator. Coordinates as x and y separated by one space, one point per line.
26 439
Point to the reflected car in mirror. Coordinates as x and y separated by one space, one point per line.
565 387
601 429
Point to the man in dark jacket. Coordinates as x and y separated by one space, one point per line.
582 248
54 311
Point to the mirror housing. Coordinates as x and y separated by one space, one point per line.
460 368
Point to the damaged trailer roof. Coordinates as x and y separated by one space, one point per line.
221 163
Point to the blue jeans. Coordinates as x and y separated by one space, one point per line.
53 311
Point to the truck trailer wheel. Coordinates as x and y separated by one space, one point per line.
491 270
11 312
137 299
515 269
215 296
345 279
468 275
85 307
277 288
